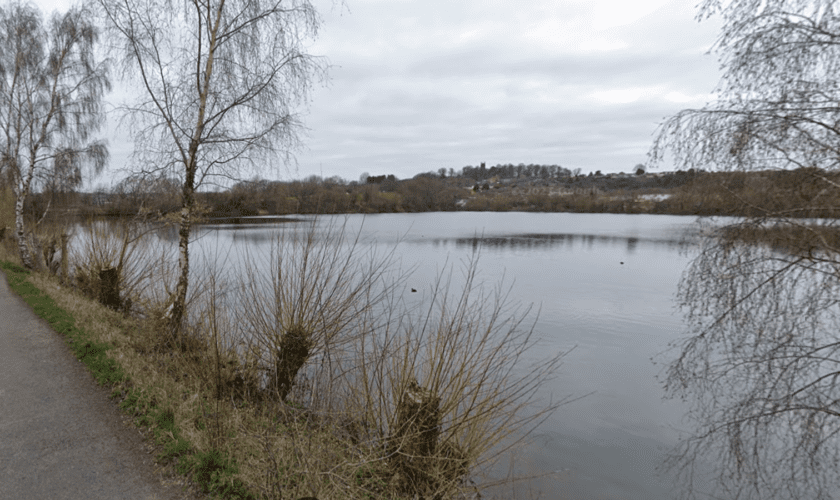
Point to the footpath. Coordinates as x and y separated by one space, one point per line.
60 435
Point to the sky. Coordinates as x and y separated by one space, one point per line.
415 86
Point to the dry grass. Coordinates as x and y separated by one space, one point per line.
141 263
385 402
303 302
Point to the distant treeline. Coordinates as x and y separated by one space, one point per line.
803 192
509 171
425 192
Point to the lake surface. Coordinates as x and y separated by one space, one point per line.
603 283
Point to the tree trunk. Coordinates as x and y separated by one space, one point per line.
188 195
109 288
20 230
413 442
65 279
179 305
20 227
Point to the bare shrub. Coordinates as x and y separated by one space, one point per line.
301 300
450 388
428 396
316 378
123 251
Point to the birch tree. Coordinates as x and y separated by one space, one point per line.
220 83
760 362
51 89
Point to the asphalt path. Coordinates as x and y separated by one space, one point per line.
61 437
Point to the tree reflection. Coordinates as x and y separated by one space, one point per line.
761 361
539 241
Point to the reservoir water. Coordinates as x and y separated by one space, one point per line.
604 285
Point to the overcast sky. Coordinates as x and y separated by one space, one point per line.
419 85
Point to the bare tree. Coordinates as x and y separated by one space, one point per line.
50 100
778 102
220 81
761 359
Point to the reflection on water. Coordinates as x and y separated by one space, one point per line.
535 241
513 242
246 222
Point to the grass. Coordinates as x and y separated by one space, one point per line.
333 424
110 367
92 353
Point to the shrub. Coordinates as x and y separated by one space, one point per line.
433 392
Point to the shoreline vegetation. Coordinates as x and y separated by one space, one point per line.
500 188
311 380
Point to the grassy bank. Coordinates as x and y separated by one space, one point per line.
317 384
108 346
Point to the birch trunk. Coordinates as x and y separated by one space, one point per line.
20 226
191 166
179 304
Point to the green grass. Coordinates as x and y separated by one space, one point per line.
93 354
213 470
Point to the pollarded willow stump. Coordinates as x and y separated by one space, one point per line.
291 354
109 287
414 439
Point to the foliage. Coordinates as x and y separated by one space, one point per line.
797 193
682 192
514 171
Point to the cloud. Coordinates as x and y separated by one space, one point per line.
536 85
618 96
681 98
416 86
610 14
